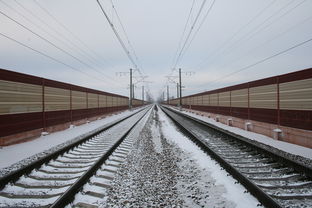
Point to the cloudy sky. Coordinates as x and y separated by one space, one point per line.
71 41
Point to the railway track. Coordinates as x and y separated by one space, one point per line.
54 180
274 180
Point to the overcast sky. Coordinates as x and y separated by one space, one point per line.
233 36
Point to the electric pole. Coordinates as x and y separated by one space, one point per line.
177 90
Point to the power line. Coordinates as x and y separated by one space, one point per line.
237 32
278 18
38 26
54 45
183 33
289 10
128 40
68 42
182 51
73 35
118 36
190 32
264 60
49 57
282 33
256 30
180 42
125 33
199 27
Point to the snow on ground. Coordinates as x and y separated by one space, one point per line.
233 192
165 169
14 153
108 137
157 173
284 146
109 165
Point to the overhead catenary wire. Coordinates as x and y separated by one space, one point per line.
256 30
124 47
118 36
199 27
181 48
50 57
66 40
130 46
97 56
38 26
54 45
278 18
129 42
267 41
268 58
184 48
282 33
263 60
180 42
189 33
254 18
184 30
125 33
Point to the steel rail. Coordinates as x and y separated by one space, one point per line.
254 189
15 175
295 164
69 195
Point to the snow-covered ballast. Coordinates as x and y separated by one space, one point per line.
279 106
31 105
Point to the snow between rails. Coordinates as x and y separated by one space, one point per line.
234 192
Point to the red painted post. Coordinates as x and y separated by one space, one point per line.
248 102
98 104
209 104
71 104
218 111
230 103
106 108
43 107
87 99
202 102
87 109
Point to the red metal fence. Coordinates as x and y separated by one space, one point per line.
28 103
284 100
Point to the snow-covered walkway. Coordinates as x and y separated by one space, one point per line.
20 154
284 146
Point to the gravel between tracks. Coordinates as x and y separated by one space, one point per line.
157 173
